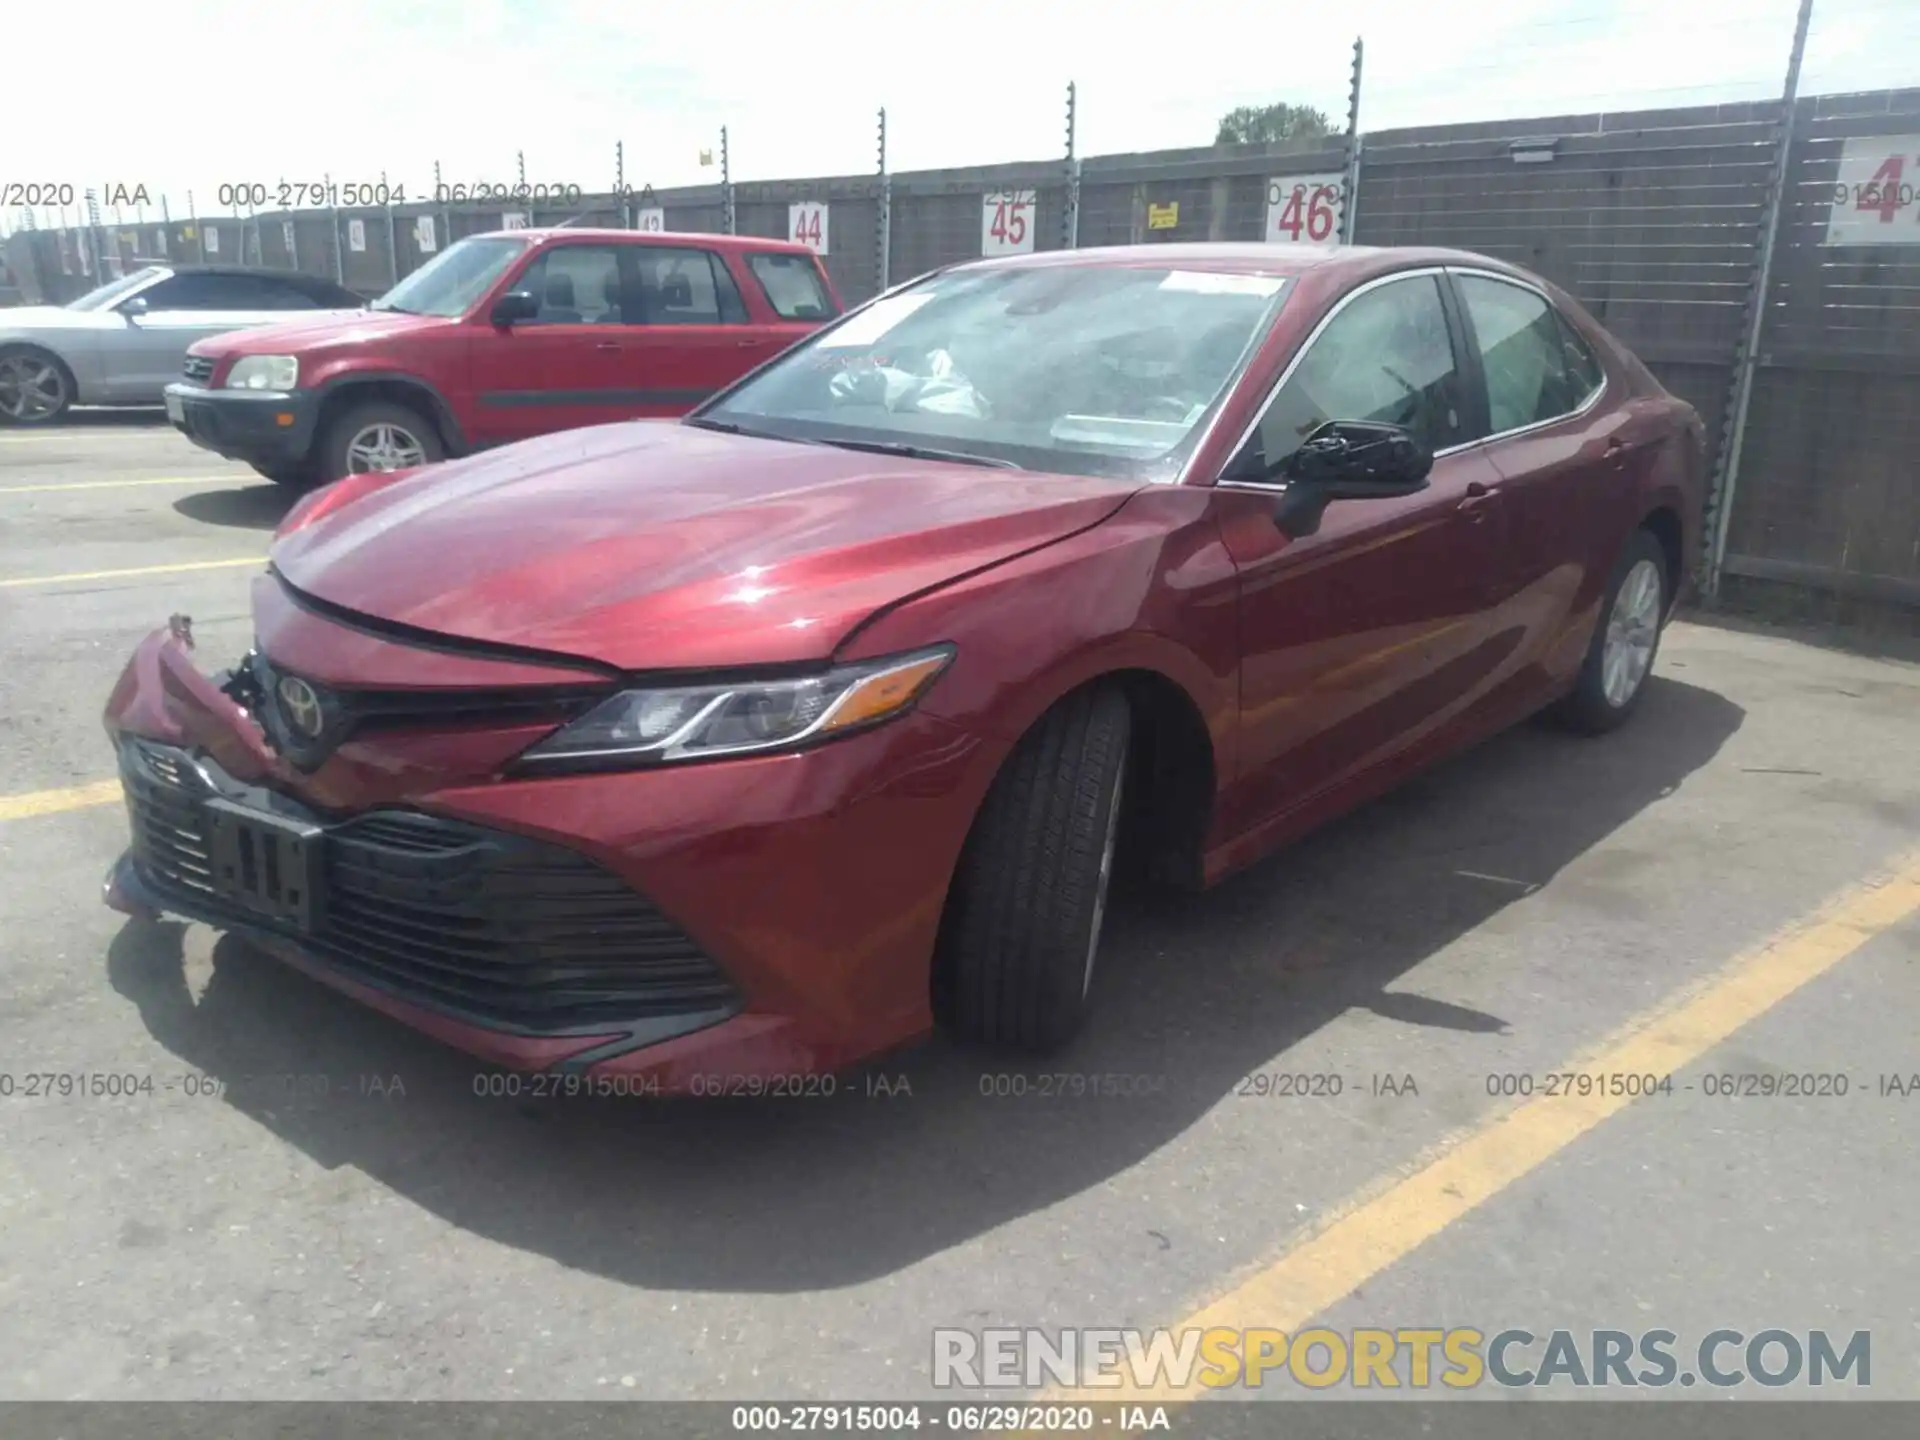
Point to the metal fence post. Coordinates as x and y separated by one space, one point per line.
1070 224
1746 359
620 183
333 223
726 180
393 239
1351 209
93 235
883 224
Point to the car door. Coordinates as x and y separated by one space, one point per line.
568 365
695 334
1561 453
165 318
1378 630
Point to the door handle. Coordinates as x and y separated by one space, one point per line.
748 344
1478 498
607 345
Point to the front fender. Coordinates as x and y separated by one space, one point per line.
1152 588
331 382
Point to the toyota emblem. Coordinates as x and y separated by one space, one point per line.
300 704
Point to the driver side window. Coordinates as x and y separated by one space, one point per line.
1388 357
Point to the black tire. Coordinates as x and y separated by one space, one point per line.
350 422
62 375
1017 944
294 477
1588 709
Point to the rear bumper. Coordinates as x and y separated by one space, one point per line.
272 429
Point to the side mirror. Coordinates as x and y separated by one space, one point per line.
134 308
515 306
1348 460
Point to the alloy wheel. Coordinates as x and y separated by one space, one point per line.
384 446
31 389
1633 628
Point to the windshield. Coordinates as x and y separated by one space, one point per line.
1088 369
448 284
105 295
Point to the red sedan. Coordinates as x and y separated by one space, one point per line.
750 744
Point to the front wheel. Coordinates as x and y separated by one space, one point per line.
377 436
1023 921
1620 657
35 388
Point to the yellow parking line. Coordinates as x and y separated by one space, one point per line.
1378 1228
115 484
136 570
52 802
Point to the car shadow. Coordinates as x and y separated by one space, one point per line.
780 1195
255 507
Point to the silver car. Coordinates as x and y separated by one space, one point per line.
122 343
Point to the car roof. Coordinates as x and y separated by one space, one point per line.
651 237
1249 257
238 270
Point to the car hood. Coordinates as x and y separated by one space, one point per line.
648 546
312 332
55 317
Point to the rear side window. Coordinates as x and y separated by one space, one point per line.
1587 373
793 287
685 287
1530 369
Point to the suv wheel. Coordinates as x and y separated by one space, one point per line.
378 435
1023 922
35 388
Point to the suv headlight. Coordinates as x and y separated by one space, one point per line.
701 722
264 372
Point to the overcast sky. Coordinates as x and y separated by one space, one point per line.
198 92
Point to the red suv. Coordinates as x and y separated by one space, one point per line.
499 338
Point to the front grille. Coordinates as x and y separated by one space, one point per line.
198 369
505 930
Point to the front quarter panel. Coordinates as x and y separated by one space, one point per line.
1152 588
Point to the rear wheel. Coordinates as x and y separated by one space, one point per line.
1023 921
35 387
1625 641
378 435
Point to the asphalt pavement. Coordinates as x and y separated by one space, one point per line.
302 1200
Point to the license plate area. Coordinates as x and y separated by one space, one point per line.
268 864
176 412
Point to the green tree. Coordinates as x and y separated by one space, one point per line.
1262 124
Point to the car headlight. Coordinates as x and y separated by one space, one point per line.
701 722
264 372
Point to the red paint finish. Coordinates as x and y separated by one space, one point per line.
1315 671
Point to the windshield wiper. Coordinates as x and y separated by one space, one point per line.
922 452
728 427
396 309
